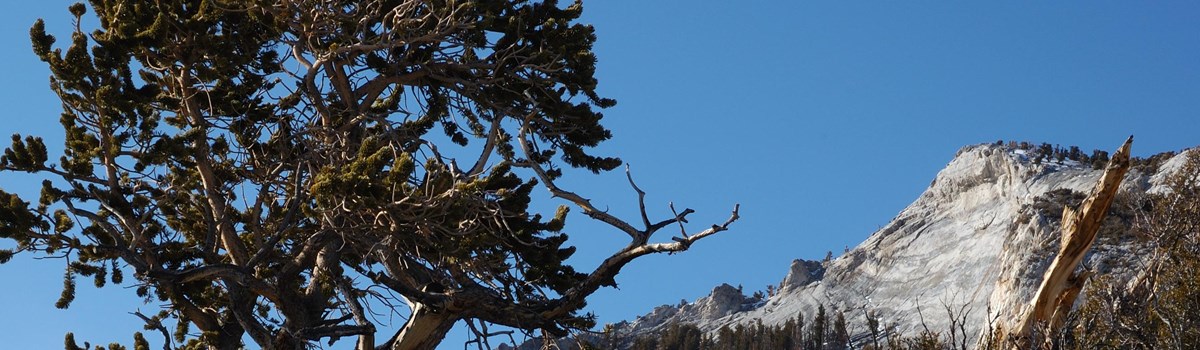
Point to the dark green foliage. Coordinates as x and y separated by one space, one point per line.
1050 204
1046 150
676 337
139 342
253 160
68 291
69 343
16 219
1117 223
1150 165
791 335
817 331
1098 159
181 330
839 335
27 155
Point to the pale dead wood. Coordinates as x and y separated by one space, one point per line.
1061 284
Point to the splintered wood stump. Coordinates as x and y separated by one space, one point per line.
1061 284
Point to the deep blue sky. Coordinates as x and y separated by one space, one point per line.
823 119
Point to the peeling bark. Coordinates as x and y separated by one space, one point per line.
1061 284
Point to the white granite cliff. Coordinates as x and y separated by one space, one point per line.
977 239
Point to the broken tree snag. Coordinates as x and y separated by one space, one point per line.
1061 284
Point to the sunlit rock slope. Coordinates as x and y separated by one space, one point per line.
977 239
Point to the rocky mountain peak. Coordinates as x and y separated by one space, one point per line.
801 273
974 243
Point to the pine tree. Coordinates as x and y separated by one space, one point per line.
253 160
1099 159
799 333
840 338
1075 154
817 331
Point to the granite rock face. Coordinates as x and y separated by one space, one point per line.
976 241
802 273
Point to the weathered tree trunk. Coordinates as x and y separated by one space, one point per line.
424 330
1061 284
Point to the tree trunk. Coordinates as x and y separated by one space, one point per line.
1061 284
229 338
424 330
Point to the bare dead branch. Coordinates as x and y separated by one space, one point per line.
641 199
555 191
154 323
1061 284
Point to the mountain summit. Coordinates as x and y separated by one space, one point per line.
968 252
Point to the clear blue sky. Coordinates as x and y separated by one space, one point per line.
823 119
